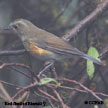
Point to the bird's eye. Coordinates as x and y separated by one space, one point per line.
15 26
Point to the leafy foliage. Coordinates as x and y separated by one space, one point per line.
90 66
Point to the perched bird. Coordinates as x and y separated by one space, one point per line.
45 45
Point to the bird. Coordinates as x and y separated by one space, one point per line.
45 45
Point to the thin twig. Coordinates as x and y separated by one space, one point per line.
25 88
45 68
81 85
6 94
45 93
59 98
10 84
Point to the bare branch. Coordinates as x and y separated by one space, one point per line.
11 53
99 10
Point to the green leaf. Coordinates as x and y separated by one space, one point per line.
95 106
90 66
90 69
47 80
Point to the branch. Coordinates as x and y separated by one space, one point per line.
99 10
59 98
25 88
6 94
10 53
82 86
21 65
5 32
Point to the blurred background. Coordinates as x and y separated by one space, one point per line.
58 17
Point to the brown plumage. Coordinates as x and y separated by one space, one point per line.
45 45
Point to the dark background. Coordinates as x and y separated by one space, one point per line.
58 17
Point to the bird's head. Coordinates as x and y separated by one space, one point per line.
22 27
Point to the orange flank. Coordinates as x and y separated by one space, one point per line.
104 62
37 50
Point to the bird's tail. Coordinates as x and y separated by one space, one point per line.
92 59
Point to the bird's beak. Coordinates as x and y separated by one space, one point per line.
9 27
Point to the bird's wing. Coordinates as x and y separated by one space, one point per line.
59 46
69 51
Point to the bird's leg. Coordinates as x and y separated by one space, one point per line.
47 65
54 71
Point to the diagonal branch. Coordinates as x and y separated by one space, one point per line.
99 10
